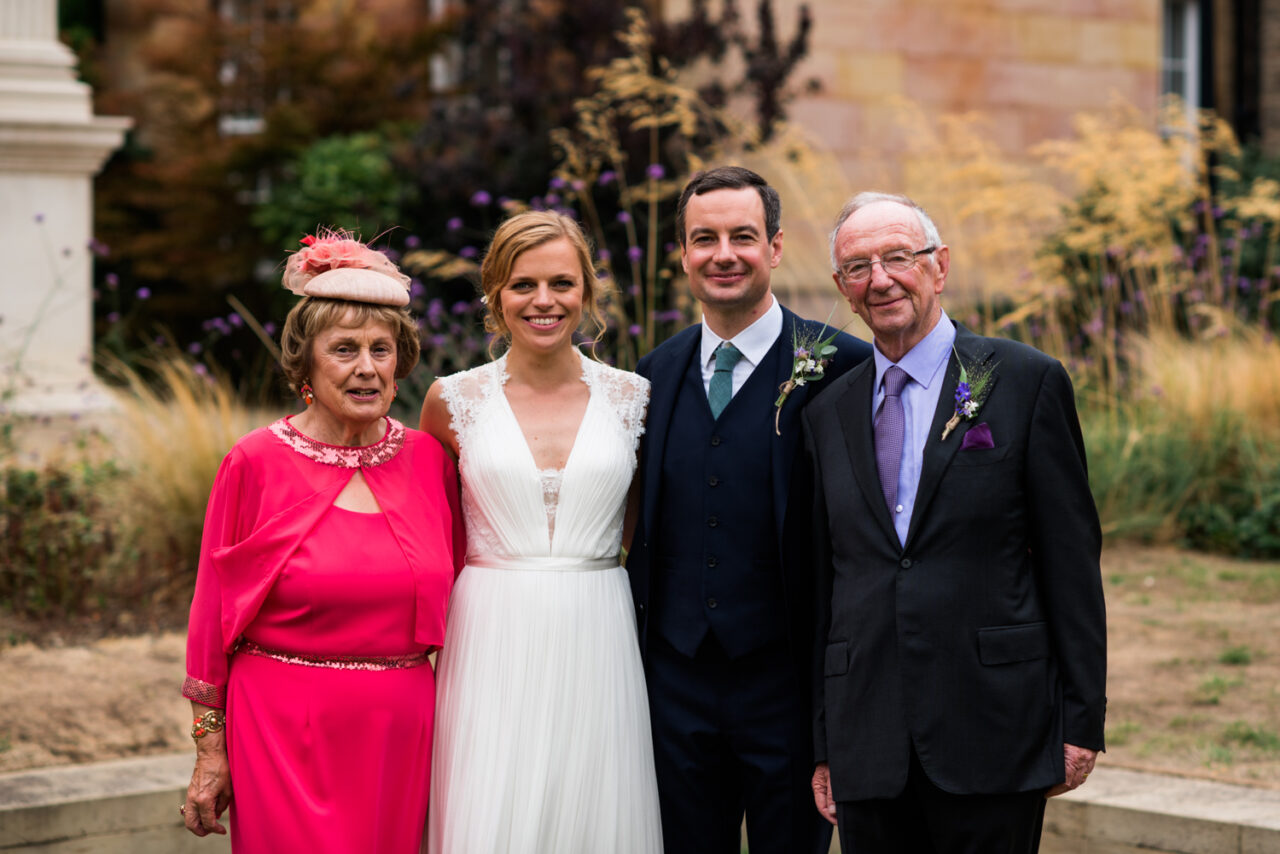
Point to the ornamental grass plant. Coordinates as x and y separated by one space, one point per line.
1144 252
175 422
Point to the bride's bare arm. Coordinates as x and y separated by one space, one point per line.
435 419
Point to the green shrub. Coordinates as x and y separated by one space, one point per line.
59 531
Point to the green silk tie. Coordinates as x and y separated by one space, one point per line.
720 392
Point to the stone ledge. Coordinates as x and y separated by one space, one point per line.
1128 812
128 806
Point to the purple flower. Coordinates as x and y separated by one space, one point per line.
634 290
962 393
435 308
454 223
481 198
537 203
269 328
113 317
200 369
655 172
438 341
624 217
417 290
607 177
468 252
557 183
553 199
413 241
669 246
143 293
1218 212
112 280
97 247
461 307
634 330
635 253
235 320
578 185
603 255
195 348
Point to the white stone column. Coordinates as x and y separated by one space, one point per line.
51 145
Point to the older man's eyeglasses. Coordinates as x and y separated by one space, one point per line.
858 270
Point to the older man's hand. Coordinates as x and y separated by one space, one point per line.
1079 762
822 792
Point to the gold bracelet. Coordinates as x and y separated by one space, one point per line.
211 721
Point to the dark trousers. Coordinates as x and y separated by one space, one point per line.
731 736
926 820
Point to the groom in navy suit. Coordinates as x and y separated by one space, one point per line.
719 563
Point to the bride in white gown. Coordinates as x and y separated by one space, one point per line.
542 740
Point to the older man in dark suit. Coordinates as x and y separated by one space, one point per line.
722 586
961 662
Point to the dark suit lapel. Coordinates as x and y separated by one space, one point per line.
854 410
938 454
666 378
783 447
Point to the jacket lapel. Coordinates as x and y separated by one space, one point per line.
938 454
665 380
783 447
854 411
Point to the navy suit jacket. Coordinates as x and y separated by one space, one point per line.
981 641
665 368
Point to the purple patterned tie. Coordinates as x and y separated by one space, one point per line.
890 424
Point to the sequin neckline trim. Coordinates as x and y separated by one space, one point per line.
366 456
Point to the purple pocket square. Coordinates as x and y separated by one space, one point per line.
977 438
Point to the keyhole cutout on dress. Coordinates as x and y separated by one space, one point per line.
357 496
549 425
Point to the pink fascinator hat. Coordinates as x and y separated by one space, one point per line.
334 265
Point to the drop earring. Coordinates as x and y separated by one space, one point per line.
308 393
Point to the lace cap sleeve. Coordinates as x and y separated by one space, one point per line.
466 393
627 393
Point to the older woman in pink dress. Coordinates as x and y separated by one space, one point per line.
331 542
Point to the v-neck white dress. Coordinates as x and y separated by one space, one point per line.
542 739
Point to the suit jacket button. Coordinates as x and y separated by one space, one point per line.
711 562
906 563
711 603
712 521
713 481
715 441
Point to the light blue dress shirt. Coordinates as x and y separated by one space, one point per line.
926 365
754 342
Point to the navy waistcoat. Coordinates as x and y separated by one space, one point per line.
718 571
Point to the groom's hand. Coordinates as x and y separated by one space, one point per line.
822 792
1079 762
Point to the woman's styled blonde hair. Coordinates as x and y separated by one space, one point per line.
517 235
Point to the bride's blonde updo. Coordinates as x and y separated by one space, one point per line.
517 235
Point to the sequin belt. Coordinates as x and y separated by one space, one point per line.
338 662
543 563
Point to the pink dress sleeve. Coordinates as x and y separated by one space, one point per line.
206 680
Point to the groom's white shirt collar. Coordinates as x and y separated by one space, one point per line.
754 342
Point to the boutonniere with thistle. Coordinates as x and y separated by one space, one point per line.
971 393
810 355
